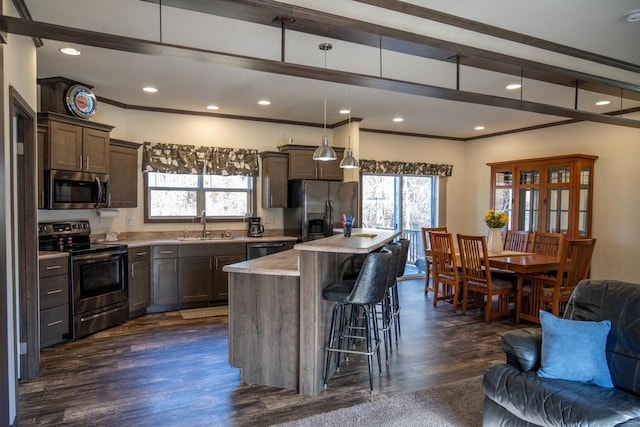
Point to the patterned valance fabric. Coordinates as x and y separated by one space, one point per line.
404 168
189 159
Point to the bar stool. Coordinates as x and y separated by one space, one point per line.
369 289
395 299
386 306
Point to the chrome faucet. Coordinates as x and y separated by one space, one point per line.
203 221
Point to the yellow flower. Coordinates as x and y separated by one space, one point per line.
495 219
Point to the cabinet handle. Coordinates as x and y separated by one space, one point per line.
87 162
55 291
54 323
166 252
109 199
209 263
132 271
140 253
175 265
80 163
53 267
42 197
216 263
270 201
320 173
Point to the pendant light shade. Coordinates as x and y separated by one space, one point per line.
324 152
349 162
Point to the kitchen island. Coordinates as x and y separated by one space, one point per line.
278 321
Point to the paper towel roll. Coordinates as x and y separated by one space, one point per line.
107 213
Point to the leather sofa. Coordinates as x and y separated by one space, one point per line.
516 396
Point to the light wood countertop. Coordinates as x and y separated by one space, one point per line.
52 255
285 263
355 244
209 241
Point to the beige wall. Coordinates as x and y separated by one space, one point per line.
616 199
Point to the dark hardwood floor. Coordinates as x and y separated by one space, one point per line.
161 370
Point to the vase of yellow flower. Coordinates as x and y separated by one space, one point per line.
495 220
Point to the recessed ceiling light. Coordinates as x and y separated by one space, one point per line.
603 102
513 86
264 102
398 119
479 127
70 51
150 89
344 111
212 107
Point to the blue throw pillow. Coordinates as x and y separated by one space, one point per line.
574 350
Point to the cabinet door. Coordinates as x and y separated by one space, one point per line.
221 278
302 165
274 181
42 134
330 170
95 150
194 279
123 177
139 286
65 146
165 281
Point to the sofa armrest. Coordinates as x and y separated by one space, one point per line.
522 348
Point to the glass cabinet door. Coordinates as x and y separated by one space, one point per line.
503 193
558 190
529 200
584 202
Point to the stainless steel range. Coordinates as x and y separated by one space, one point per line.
98 276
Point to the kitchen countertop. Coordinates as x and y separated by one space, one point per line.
177 241
362 241
285 263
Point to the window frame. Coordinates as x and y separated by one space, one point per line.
200 197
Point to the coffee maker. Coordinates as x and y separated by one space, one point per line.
255 228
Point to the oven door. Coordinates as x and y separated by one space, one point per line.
98 280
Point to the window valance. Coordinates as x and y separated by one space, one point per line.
189 159
387 167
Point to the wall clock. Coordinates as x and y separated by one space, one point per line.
80 101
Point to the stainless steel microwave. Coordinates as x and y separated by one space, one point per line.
76 190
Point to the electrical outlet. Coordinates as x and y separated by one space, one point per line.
131 221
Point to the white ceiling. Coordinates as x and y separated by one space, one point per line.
591 25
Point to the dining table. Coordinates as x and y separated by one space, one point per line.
526 264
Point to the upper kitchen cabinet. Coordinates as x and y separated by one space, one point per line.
302 165
75 144
275 167
123 176
551 194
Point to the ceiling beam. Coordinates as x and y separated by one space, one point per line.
127 44
319 23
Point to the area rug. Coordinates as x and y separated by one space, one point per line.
197 313
458 404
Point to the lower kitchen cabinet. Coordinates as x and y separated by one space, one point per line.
194 279
221 278
139 280
54 300
165 278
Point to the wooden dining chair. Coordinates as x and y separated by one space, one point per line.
428 262
546 243
478 280
516 240
552 292
446 276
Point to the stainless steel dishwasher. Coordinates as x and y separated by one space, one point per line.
258 249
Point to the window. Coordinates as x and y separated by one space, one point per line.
404 202
181 197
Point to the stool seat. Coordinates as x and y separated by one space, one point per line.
339 291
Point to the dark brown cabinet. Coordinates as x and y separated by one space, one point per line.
123 175
195 278
54 300
275 166
221 278
302 165
165 278
42 134
75 144
139 280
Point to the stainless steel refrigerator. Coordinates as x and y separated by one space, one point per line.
315 208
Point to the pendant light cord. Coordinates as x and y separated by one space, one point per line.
325 95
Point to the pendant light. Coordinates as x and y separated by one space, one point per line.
349 162
324 152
